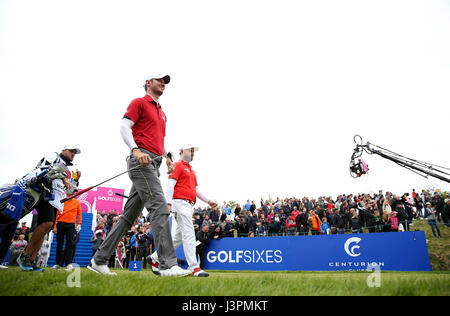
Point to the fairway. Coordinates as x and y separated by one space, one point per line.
238 283
13 281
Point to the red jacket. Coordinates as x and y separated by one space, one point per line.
295 213
288 225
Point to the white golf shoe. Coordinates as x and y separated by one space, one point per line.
174 271
197 272
69 267
153 261
102 269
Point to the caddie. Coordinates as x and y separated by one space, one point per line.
47 209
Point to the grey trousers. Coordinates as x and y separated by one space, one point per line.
145 191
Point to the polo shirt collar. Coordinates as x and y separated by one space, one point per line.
150 98
185 163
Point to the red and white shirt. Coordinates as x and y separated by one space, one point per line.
186 186
149 128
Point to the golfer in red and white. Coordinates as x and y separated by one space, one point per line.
181 195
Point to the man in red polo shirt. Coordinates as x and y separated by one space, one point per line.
182 192
143 129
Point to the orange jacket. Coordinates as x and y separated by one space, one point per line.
315 221
72 211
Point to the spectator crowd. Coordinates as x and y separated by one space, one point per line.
382 212
20 240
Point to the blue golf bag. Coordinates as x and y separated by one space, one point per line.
17 200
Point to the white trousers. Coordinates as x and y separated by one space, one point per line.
183 232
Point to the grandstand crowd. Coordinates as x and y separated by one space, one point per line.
382 212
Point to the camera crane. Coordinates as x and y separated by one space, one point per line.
358 167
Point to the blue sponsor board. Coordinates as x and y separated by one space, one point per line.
135 265
403 251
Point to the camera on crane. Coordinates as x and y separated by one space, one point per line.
358 168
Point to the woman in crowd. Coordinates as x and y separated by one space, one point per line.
98 237
394 221
387 206
386 221
17 247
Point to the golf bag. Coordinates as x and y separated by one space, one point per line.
19 199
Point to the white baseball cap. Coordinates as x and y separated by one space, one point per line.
72 148
189 146
158 76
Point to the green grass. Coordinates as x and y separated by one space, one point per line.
438 248
243 283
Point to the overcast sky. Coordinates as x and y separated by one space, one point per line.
271 91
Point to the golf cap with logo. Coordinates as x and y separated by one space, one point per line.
158 76
72 148
189 146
